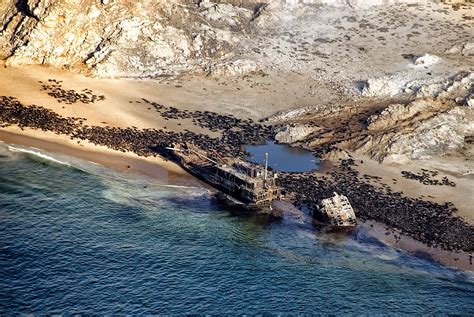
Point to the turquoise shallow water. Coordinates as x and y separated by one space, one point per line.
79 238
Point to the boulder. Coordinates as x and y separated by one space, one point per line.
465 49
383 86
426 60
294 132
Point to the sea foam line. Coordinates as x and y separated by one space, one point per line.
179 186
39 154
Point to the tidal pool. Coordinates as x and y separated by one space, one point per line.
283 158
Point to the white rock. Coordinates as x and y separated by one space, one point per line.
470 101
426 60
442 86
383 86
131 38
94 12
465 49
433 133
294 133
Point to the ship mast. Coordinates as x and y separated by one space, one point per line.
266 167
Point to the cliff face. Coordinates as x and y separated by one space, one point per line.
332 41
120 37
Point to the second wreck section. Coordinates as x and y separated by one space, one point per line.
337 211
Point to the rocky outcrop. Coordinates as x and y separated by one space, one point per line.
418 130
122 38
465 49
397 115
233 68
294 132
150 38
321 110
396 133
459 85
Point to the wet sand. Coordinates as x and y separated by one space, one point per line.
393 238
165 171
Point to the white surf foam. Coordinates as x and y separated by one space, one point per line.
38 153
179 186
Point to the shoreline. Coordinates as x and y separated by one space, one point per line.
171 174
391 237
155 167
122 130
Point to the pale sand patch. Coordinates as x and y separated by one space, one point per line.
245 97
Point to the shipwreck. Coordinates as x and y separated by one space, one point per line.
337 211
252 185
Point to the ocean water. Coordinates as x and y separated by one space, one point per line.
282 157
79 238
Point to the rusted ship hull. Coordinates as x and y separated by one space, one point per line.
227 191
232 197
251 187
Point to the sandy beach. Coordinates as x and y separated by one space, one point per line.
123 106
462 195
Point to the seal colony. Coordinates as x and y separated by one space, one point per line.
54 89
429 222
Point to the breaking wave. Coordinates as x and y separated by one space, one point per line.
37 153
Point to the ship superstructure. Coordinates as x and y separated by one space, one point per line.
251 184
